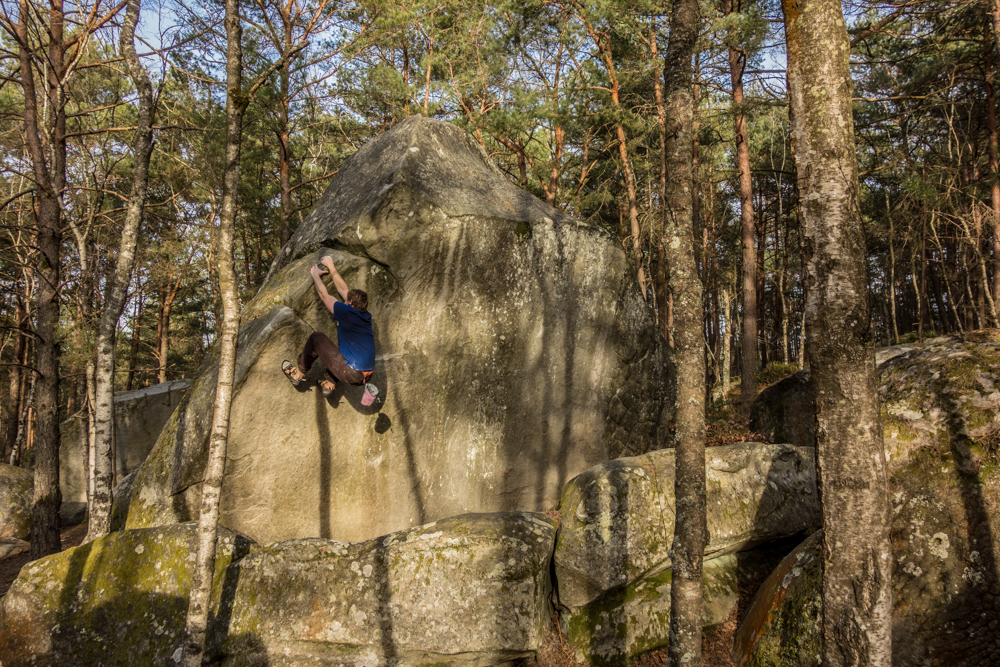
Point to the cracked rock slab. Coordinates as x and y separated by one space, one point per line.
469 590
617 529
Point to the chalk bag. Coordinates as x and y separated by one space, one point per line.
371 393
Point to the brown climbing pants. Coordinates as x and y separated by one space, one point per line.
320 345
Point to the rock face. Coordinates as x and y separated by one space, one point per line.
11 546
635 618
612 551
119 600
16 498
782 626
469 590
947 385
785 411
941 417
943 396
139 418
514 352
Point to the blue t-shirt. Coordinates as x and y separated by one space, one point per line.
355 337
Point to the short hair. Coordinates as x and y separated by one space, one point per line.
358 298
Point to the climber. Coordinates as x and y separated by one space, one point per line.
354 360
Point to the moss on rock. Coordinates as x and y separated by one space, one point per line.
469 590
119 600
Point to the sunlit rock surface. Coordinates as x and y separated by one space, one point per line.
120 600
612 551
514 352
16 498
944 393
469 590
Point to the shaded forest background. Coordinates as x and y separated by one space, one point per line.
564 96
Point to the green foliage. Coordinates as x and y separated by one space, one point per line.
912 337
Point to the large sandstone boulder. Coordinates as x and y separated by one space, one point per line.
514 352
469 590
612 557
17 487
782 626
11 546
139 418
786 411
923 389
943 396
119 600
635 618
945 583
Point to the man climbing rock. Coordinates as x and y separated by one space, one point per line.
354 360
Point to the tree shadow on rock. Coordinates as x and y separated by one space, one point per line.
947 594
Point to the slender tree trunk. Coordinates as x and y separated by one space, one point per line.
996 26
943 320
661 287
163 328
133 353
114 297
892 277
748 374
11 409
551 189
853 481
23 424
633 206
923 313
284 144
690 532
89 456
211 492
603 43
991 125
802 340
727 339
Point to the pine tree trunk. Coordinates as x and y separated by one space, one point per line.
211 492
114 298
748 373
857 556
892 280
49 169
727 339
162 340
690 532
994 152
11 408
